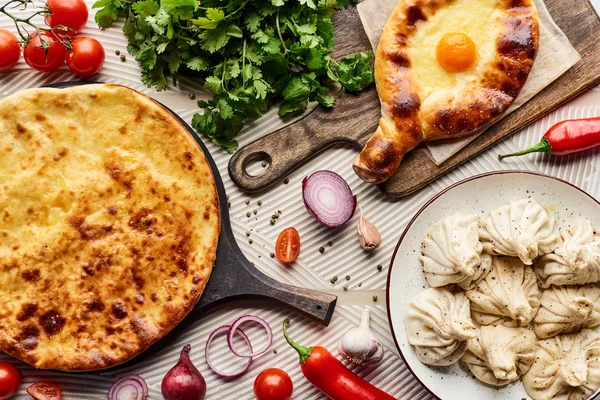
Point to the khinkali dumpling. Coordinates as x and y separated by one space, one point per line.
524 228
566 367
565 309
576 261
509 294
438 323
451 252
499 355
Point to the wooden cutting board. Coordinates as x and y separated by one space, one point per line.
355 117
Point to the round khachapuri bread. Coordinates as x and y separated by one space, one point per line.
109 220
446 69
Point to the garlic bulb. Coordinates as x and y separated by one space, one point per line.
368 235
359 345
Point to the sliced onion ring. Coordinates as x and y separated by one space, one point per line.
225 329
132 387
328 198
235 327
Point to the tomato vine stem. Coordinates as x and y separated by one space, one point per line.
23 24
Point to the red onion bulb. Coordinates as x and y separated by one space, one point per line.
184 381
328 198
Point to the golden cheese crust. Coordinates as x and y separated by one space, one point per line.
422 102
109 221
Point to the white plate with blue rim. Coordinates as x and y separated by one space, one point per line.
479 194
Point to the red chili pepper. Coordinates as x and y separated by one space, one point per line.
567 137
330 376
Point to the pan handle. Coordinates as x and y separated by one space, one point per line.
318 305
235 278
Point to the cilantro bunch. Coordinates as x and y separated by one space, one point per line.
250 54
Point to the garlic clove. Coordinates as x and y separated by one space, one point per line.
359 345
368 235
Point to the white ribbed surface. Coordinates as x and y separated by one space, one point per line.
312 269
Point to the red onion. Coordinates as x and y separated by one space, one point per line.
235 327
130 387
225 329
328 198
184 381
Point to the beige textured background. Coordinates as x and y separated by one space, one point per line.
312 269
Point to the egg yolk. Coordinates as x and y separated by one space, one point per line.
456 52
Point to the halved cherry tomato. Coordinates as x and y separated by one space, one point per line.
10 380
45 391
45 60
69 13
86 56
273 384
10 50
287 247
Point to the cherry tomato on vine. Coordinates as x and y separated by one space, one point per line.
45 60
86 56
10 379
70 13
287 247
45 391
10 50
273 384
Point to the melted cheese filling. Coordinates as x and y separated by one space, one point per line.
476 19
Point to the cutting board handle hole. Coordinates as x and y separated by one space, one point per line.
318 307
256 164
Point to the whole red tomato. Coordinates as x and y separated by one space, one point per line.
10 380
45 60
69 13
287 247
10 50
86 56
44 391
273 384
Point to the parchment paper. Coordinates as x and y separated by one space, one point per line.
555 56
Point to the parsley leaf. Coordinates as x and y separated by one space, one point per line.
354 72
108 13
197 64
249 54
213 17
